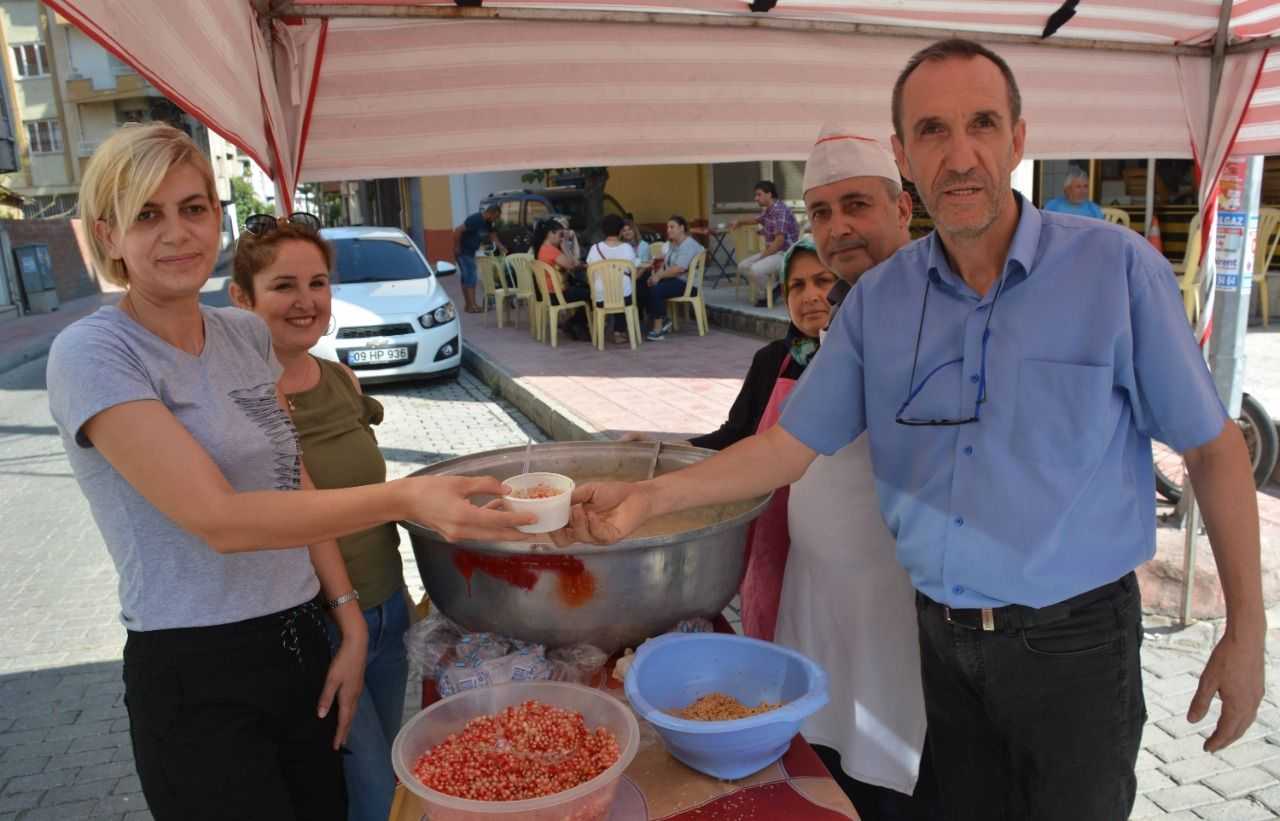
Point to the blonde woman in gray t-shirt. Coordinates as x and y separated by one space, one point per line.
180 441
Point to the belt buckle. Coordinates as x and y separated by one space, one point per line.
988 620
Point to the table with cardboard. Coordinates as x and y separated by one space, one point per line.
657 786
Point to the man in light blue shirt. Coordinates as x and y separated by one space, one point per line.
1011 370
1075 197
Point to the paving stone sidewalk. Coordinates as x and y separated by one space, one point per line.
1177 780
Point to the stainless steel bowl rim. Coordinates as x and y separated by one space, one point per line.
579 548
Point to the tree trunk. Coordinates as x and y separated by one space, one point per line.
594 180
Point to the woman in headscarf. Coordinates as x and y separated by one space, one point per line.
773 374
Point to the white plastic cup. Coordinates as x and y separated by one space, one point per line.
552 512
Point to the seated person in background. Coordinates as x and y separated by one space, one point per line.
546 239
612 247
1075 197
669 281
631 236
780 230
569 239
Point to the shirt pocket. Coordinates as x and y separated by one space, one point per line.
1062 412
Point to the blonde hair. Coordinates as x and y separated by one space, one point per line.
125 170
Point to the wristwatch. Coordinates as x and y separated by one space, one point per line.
333 604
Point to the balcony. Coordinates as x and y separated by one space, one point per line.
81 90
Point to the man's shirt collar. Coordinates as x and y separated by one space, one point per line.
1019 258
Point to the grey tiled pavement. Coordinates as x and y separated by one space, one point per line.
1177 780
64 750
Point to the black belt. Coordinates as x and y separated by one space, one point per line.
1019 617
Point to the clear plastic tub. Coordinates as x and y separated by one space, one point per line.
589 801
552 511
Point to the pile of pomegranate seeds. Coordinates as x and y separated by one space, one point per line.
522 752
540 491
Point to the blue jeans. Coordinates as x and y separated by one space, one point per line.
657 295
366 759
467 270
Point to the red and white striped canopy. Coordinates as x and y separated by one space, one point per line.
352 91
1133 21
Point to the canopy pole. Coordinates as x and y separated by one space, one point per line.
1215 67
1256 44
1150 202
267 10
719 20
1237 221
1192 519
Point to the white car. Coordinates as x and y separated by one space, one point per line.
391 318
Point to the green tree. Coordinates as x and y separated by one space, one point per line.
246 201
594 179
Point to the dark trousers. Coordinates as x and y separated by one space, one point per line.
655 297
881 803
575 292
1041 721
223 720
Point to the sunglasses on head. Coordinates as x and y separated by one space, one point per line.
262 224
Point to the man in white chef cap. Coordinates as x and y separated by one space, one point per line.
846 601
853 194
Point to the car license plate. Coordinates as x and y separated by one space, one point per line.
374 356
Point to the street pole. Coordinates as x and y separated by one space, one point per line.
1238 208
1239 201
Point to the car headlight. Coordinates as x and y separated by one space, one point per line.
445 313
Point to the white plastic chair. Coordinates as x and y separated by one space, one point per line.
608 278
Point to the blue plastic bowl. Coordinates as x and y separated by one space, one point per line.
673 671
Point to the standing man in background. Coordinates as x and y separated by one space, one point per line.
475 231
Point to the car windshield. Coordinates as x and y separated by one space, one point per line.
376 260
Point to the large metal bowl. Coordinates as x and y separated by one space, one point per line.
610 596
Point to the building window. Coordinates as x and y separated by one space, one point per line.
734 183
30 60
44 136
118 66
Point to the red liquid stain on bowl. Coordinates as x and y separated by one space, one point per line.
575 584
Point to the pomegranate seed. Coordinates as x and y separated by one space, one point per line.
526 751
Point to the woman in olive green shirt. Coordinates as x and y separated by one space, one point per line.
282 274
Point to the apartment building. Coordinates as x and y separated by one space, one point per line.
66 94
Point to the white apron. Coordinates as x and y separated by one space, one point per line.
849 605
